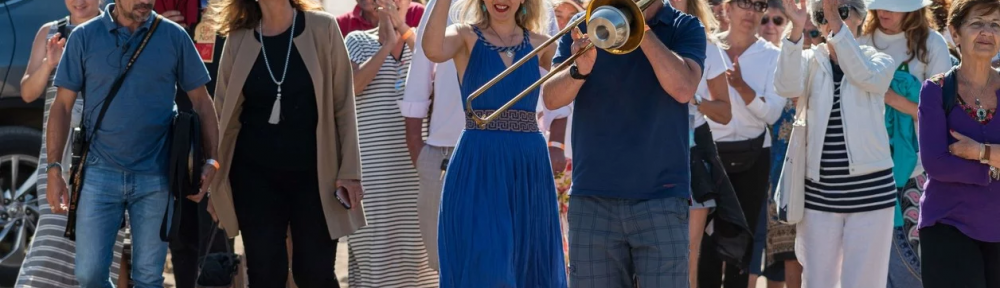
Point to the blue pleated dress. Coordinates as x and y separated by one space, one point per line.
499 220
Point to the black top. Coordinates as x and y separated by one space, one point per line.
837 191
290 144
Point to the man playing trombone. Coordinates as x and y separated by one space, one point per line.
631 180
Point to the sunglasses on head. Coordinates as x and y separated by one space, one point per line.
751 5
777 20
843 10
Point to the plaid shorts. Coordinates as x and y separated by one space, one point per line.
615 243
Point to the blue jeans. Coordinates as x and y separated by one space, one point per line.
107 194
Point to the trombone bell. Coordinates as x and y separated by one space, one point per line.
615 26
610 28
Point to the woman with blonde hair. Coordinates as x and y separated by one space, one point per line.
499 224
289 139
905 29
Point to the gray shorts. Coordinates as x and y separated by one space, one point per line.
615 243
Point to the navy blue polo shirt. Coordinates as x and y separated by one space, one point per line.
135 128
630 138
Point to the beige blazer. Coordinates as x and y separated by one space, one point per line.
338 156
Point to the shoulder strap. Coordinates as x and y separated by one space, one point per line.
62 27
949 91
121 78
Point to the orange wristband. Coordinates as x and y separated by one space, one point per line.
408 34
561 146
213 163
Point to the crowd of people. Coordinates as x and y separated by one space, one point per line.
653 168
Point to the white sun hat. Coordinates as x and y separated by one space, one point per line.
897 5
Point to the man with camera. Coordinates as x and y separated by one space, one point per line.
127 64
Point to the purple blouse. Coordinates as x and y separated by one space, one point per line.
959 192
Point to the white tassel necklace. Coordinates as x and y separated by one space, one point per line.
276 109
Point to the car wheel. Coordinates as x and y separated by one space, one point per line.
19 203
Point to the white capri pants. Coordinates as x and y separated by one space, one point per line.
849 250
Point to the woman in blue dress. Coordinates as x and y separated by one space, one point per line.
498 225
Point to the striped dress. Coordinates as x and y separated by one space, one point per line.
837 191
389 252
50 258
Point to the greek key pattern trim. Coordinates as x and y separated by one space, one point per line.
510 120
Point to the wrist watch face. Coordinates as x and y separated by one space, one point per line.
575 73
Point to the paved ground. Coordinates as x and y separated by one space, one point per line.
341 266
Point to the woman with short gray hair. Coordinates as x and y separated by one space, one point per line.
845 234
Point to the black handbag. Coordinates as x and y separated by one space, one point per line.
81 142
217 269
186 159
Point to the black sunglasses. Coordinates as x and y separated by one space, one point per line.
778 20
813 34
751 5
844 11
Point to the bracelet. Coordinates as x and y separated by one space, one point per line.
557 144
982 154
52 165
213 163
408 34
986 155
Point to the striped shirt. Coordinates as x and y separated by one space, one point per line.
837 191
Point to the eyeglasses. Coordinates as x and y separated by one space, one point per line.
813 33
843 10
777 20
751 5
980 25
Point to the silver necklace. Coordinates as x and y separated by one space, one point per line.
276 109
509 50
980 111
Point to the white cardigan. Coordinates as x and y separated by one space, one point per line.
867 74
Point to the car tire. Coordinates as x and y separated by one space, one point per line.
18 146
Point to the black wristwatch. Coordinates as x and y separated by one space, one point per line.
575 73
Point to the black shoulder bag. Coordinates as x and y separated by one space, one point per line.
81 143
186 160
949 91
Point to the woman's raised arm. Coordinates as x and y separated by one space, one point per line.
440 41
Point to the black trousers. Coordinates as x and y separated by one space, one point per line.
195 234
267 202
950 259
751 190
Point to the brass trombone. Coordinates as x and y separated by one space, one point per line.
616 26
